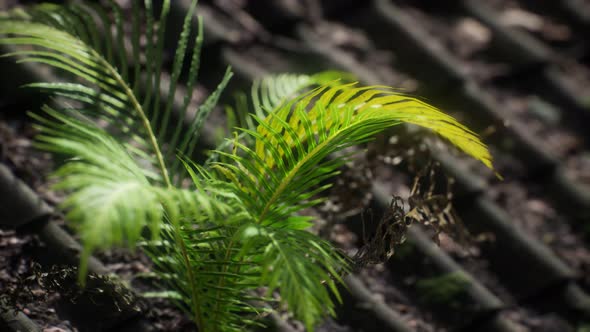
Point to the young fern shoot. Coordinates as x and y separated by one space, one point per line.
239 226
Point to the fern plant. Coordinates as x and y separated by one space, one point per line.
238 225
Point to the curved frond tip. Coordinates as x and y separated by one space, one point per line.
332 105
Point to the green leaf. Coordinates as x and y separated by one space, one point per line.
171 295
301 266
64 49
285 168
293 141
111 198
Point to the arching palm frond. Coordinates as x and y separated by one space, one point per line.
112 95
270 91
266 94
77 39
63 46
279 167
112 198
302 267
212 286
277 175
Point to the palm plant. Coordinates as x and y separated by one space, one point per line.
238 225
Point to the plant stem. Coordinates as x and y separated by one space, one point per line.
179 241
222 278
145 121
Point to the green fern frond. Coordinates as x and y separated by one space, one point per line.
306 285
127 94
63 48
280 166
112 197
280 173
216 289
269 92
